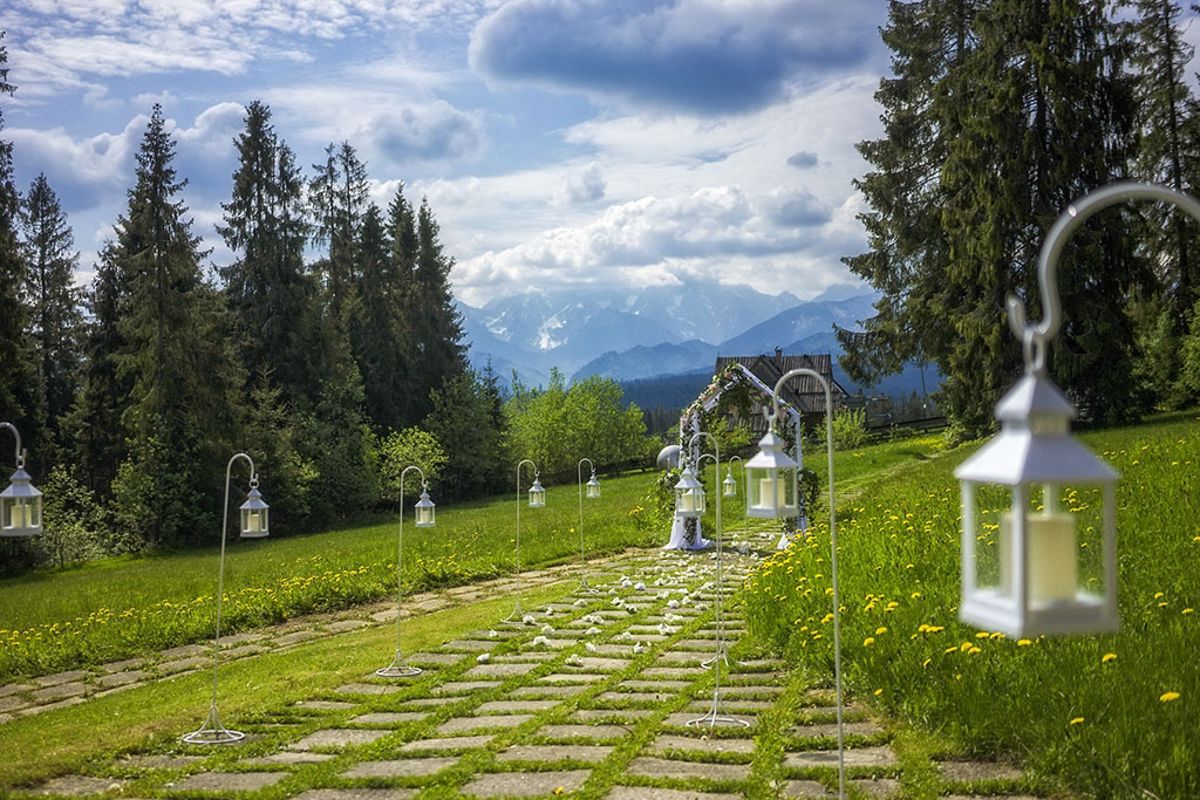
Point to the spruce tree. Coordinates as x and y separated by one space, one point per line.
17 376
265 223
56 321
440 355
177 353
94 425
338 197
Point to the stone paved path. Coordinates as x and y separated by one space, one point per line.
591 697
29 696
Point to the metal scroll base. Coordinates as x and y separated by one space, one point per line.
714 717
585 587
722 656
213 732
516 617
398 668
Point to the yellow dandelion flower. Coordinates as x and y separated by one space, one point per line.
1023 642
1076 721
867 642
1107 657
951 649
925 663
882 629
1158 595
878 692
1187 611
982 635
1168 697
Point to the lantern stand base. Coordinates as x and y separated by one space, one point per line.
722 656
212 731
712 719
516 617
586 588
398 668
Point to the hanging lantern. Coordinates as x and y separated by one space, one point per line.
729 485
689 494
1039 522
537 494
592 487
424 509
20 506
770 481
254 514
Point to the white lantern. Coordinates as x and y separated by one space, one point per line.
255 523
1039 523
20 507
424 509
592 487
537 494
770 481
689 494
729 485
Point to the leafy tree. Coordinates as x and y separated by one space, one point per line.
265 222
462 422
401 449
56 321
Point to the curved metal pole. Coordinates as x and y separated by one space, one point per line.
1034 338
212 731
398 669
515 616
583 583
833 563
18 452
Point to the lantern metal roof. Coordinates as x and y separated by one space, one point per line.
770 454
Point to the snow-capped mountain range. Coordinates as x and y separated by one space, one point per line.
593 331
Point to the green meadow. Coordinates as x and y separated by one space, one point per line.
1111 715
119 608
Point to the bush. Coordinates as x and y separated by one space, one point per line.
850 429
400 449
74 525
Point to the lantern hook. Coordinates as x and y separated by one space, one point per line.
19 452
1036 338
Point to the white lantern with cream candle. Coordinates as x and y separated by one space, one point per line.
771 481
689 494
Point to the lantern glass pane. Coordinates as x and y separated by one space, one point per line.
537 498
254 523
685 503
729 486
593 490
771 493
425 517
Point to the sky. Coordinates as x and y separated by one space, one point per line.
561 143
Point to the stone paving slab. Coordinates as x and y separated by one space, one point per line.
968 771
461 725
464 687
515 706
70 676
368 688
806 790
654 686
288 758
229 781
450 743
79 785
400 768
567 731
388 717
338 738
500 670
182 665
526 784
358 794
647 793
572 677
701 744
862 728
588 715
877 787
547 690
441 659
324 705
471 645
589 753
855 757
158 761
671 768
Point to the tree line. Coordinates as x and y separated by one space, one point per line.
997 114
332 372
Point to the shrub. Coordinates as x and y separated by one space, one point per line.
400 449
850 429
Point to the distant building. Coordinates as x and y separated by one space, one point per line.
802 393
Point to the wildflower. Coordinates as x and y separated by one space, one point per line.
1187 611
1076 721
867 642
828 618
1168 697
882 629
878 692
925 663
1023 642
982 635
1107 657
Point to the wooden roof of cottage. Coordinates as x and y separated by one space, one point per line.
801 392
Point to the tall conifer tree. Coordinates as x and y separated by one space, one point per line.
17 376
440 355
54 302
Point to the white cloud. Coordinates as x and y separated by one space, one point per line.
584 186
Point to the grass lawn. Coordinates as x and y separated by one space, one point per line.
117 608
1112 715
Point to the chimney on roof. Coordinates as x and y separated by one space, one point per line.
779 354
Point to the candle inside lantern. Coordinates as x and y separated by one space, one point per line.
20 515
1052 558
253 523
771 493
687 502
